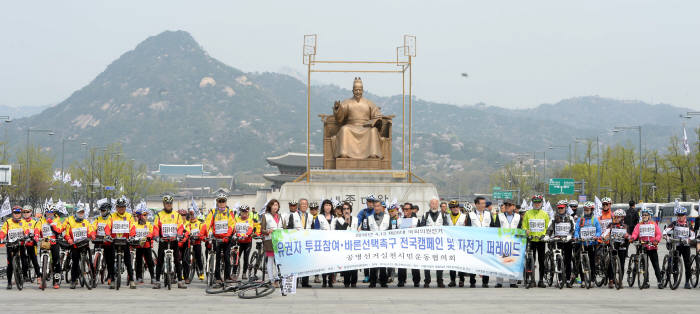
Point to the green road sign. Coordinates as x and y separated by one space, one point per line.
496 188
502 194
561 186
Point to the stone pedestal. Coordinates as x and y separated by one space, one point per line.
354 186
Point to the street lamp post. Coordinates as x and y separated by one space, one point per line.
597 145
552 147
29 132
639 131
4 147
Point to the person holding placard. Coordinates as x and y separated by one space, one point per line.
588 231
680 230
409 220
119 226
617 233
168 226
508 218
648 232
456 218
535 223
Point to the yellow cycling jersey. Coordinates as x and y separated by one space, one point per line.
99 225
13 230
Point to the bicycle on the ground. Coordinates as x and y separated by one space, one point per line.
252 288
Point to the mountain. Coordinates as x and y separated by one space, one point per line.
20 111
168 101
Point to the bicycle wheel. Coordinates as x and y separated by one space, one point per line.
44 271
665 271
263 269
642 271
600 275
548 268
586 271
84 270
631 270
17 269
694 271
253 265
119 270
66 268
211 260
193 265
559 263
257 291
617 272
676 272
168 277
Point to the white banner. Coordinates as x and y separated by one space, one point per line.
483 251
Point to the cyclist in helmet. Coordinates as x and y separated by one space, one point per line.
120 225
144 232
49 228
617 233
99 225
193 228
29 250
244 226
648 231
13 230
680 230
78 230
562 227
573 206
588 231
220 224
606 214
535 223
169 228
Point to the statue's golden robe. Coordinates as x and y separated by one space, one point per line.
357 137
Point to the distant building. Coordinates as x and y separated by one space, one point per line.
291 166
169 170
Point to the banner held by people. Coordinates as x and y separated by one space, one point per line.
483 251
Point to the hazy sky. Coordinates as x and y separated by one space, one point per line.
517 53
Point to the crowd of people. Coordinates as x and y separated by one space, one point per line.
183 231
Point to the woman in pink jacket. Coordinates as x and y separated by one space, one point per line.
648 232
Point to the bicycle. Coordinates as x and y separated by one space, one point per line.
694 270
638 266
119 244
194 268
45 261
614 260
168 263
600 275
234 256
86 274
99 265
258 260
252 288
556 263
16 245
582 265
64 259
672 269
530 266
211 262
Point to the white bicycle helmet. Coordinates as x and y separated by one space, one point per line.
619 213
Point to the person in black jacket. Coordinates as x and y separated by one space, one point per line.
631 217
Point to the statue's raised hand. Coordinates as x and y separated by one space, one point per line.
336 105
